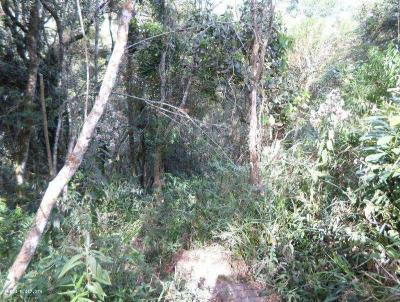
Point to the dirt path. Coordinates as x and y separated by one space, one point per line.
212 274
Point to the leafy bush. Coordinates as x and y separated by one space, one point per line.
370 82
381 170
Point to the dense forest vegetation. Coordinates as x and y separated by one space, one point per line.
196 150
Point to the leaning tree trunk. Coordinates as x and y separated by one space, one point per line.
75 158
24 135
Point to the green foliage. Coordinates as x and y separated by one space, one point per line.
86 276
382 146
87 254
326 227
381 169
305 237
370 82
150 56
378 23
13 225
293 109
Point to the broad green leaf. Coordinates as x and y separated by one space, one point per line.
329 145
377 120
92 264
100 256
384 140
383 177
373 158
396 151
324 156
84 300
96 289
102 276
68 292
394 234
396 173
394 121
98 273
80 296
392 254
73 262
79 283
372 148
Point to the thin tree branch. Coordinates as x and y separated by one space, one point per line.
85 43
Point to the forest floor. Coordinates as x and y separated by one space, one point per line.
212 273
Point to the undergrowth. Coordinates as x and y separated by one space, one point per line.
305 239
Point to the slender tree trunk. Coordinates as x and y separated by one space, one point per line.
133 86
131 138
85 44
254 159
71 127
45 126
254 61
142 157
96 44
22 159
158 159
71 131
157 171
24 135
398 22
259 13
55 146
163 76
162 71
58 17
110 29
74 160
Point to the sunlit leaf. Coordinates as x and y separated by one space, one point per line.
73 262
385 140
394 121
373 158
